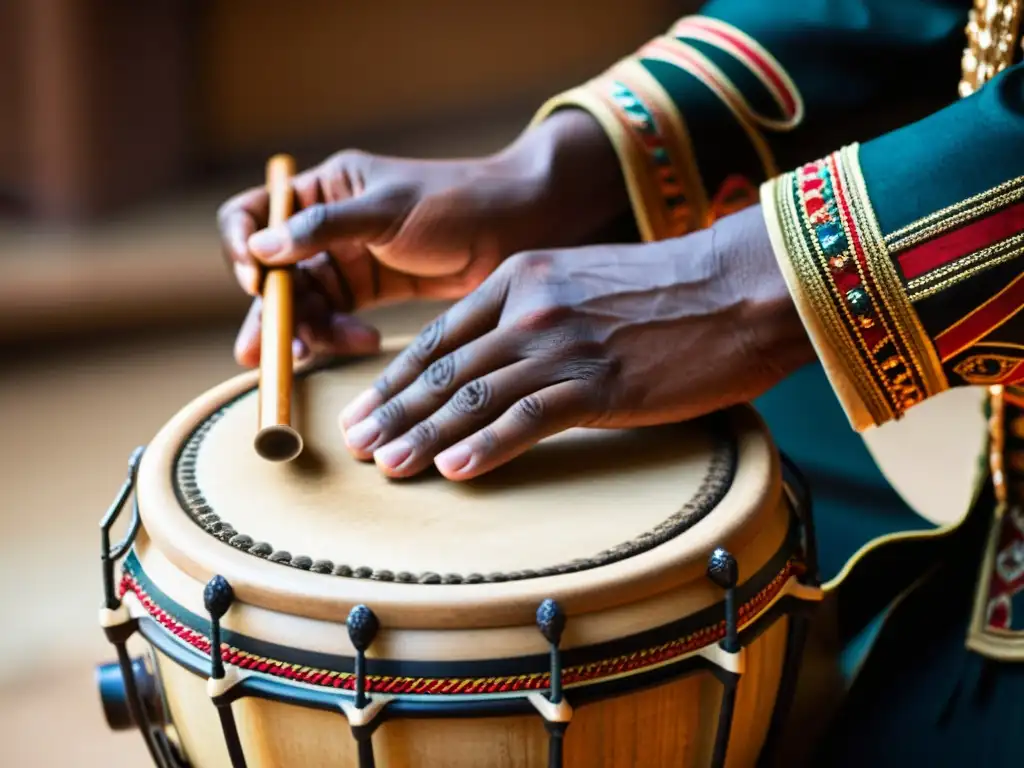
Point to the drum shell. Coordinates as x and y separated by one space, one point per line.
671 725
667 724
653 720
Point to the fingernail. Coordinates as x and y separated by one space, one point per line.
267 242
363 434
455 459
300 352
248 277
393 454
360 408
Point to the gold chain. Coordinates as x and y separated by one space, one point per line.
992 28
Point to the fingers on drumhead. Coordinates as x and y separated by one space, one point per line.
467 320
528 421
429 392
475 411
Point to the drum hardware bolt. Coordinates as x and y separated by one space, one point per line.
218 597
363 626
723 571
551 623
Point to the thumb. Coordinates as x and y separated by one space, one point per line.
312 230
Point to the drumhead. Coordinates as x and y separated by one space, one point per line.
591 517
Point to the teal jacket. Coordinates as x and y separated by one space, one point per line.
884 141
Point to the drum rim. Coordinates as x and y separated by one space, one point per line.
303 593
714 485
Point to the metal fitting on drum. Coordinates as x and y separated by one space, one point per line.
217 598
114 697
363 626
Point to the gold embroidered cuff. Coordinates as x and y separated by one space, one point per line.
652 143
835 261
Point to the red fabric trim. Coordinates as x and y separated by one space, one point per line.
951 246
585 673
680 55
764 66
1015 375
985 318
879 331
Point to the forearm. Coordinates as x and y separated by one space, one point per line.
904 255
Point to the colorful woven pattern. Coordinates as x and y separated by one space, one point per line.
846 275
574 675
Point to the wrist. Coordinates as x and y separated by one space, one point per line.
770 322
574 187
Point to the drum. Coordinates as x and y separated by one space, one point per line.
610 598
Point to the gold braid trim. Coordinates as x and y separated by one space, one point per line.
830 247
652 143
921 352
797 256
680 219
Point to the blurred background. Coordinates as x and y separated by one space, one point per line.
123 126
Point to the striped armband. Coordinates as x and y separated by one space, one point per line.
681 126
898 317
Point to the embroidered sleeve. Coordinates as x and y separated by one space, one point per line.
904 255
703 114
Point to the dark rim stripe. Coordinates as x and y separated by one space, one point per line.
585 665
324 698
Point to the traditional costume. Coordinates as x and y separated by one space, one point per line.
900 232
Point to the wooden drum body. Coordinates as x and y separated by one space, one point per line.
560 611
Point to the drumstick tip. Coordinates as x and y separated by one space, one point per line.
278 442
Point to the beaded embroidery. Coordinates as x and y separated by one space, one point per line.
639 118
646 125
846 272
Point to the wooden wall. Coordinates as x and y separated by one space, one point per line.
109 102
326 68
99 102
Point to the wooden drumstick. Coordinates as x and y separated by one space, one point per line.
276 438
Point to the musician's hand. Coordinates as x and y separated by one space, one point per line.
606 336
374 230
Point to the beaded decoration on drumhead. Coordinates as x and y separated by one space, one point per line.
715 483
